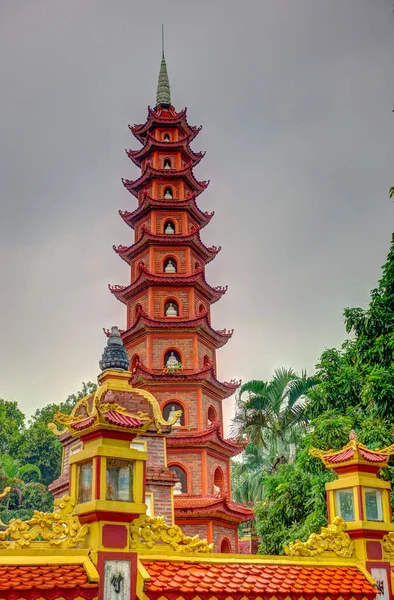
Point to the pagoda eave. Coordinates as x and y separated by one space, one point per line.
148 238
201 325
152 144
131 218
210 437
197 279
162 118
150 173
142 375
212 506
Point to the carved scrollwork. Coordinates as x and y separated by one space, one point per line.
60 528
151 532
330 539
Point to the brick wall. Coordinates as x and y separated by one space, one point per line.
212 463
188 399
140 299
161 501
181 295
142 257
205 350
198 299
137 229
194 467
161 219
139 349
216 404
220 531
196 529
178 253
161 345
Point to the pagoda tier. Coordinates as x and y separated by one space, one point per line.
125 293
148 204
160 117
148 238
210 506
205 377
210 438
182 144
199 325
164 175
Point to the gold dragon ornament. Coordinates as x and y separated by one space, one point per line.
148 532
60 528
330 539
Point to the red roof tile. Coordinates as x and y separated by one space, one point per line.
172 579
72 580
209 504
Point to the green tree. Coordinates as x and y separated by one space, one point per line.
361 373
272 414
38 445
12 422
13 474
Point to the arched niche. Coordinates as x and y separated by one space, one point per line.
166 137
169 410
180 487
172 358
168 193
137 311
206 361
212 416
218 481
135 359
170 265
169 227
171 308
167 164
225 546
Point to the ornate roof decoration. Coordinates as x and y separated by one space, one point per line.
91 413
210 436
201 323
133 186
161 116
208 504
163 93
148 203
197 279
114 355
330 539
353 453
261 578
223 389
193 239
152 533
60 528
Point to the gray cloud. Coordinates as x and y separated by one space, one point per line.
295 99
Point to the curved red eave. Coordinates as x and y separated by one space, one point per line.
164 117
192 239
209 505
126 292
201 322
151 144
341 456
202 218
186 438
142 375
133 186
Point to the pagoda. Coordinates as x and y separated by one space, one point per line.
169 338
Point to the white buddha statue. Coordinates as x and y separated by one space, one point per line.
170 267
166 137
171 415
169 228
171 310
178 488
167 163
216 490
168 194
172 361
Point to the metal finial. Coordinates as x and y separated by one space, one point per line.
162 40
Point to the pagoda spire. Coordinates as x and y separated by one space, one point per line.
163 93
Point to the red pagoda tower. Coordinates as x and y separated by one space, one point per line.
169 338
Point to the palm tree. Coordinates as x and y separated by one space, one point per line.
272 414
12 474
248 472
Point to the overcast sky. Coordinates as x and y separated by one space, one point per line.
295 99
